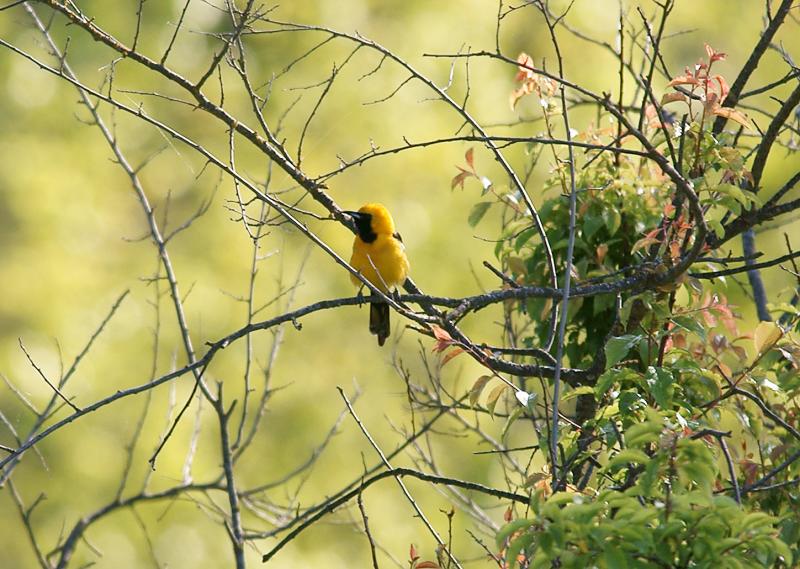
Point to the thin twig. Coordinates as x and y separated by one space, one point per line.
44 377
403 487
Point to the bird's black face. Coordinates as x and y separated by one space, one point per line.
363 223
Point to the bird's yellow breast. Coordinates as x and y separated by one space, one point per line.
383 262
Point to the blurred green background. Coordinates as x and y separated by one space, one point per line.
73 238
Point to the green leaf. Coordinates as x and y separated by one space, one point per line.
629 401
603 303
516 546
690 324
604 382
755 520
716 227
704 383
780 548
524 236
660 381
507 530
649 479
512 418
647 350
531 405
617 348
729 203
591 225
614 557
612 219
625 457
582 390
555 502
477 213
612 376
735 192
642 433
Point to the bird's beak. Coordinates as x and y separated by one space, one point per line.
355 217
358 218
354 214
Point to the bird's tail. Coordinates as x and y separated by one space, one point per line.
379 321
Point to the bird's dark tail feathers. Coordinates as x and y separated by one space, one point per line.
379 321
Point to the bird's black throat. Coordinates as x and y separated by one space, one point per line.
363 223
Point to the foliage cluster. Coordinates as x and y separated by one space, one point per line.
649 480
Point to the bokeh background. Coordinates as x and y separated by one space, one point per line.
73 238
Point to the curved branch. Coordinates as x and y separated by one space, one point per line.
393 473
68 547
506 140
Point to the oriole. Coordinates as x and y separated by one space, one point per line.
379 255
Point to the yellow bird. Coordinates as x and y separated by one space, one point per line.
379 255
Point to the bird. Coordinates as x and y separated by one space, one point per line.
379 255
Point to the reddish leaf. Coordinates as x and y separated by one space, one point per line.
683 80
734 115
440 333
451 354
524 61
723 86
675 250
543 485
672 97
601 251
428 565
443 339
714 55
477 388
494 395
740 353
711 103
726 315
412 553
458 179
646 241
709 318
778 451
750 470
468 156
728 177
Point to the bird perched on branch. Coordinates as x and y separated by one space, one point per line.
379 255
